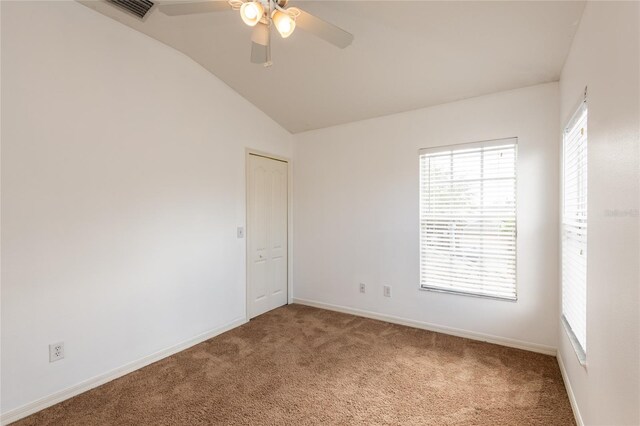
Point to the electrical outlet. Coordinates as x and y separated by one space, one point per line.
363 288
387 290
56 351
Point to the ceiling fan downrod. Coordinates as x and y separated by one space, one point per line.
269 62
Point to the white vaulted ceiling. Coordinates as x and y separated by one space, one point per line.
405 55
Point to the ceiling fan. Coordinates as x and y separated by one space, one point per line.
262 15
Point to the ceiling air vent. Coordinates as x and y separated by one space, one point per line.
137 7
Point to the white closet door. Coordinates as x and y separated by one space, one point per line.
266 234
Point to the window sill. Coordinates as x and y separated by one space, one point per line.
581 354
463 293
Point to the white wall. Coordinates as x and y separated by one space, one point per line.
122 186
356 214
604 57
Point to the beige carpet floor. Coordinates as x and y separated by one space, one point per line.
298 365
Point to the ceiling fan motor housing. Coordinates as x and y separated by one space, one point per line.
280 3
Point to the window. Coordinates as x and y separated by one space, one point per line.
574 230
468 219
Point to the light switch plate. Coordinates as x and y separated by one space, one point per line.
240 232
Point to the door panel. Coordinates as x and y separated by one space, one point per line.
267 219
259 234
278 239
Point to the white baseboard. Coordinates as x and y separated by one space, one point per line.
47 401
503 341
572 397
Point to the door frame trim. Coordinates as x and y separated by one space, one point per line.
255 152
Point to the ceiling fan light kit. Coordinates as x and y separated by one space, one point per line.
262 15
284 22
251 13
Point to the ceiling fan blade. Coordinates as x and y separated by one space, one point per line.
260 34
259 53
326 31
260 44
175 8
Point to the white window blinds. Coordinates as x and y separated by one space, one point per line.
468 219
574 230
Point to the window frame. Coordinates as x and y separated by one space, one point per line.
577 111
467 146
